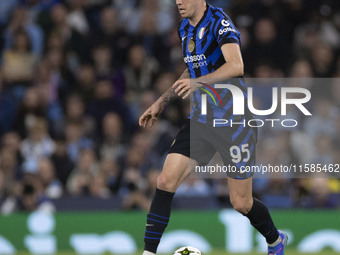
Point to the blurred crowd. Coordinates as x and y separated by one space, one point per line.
75 76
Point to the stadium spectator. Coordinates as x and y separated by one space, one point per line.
6 8
175 51
112 33
335 92
112 174
323 60
267 45
51 186
324 149
75 42
139 73
54 41
61 161
98 186
76 141
62 77
82 175
32 195
3 191
49 94
85 82
222 192
162 22
9 165
319 190
31 188
37 145
104 102
75 112
301 69
30 108
20 20
11 141
323 120
141 155
77 18
153 41
112 137
19 62
102 57
193 187
134 186
141 194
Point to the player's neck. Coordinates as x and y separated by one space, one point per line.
198 15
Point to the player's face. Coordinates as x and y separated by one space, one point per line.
187 8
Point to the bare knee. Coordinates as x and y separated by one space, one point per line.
166 183
242 204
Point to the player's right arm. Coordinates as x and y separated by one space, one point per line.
149 117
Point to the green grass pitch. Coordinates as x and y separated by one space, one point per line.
288 252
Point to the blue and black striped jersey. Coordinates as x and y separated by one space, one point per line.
201 49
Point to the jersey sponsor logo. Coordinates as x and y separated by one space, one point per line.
194 58
227 29
225 23
199 64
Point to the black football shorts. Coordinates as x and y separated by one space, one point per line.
236 145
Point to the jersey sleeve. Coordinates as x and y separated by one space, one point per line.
226 32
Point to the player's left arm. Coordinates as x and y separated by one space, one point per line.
233 67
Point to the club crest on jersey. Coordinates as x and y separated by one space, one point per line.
201 33
191 46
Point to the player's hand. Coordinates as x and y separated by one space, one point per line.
185 87
149 117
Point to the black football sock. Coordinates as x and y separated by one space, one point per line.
261 220
157 219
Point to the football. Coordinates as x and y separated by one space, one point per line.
187 250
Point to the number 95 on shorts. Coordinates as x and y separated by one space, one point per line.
236 146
